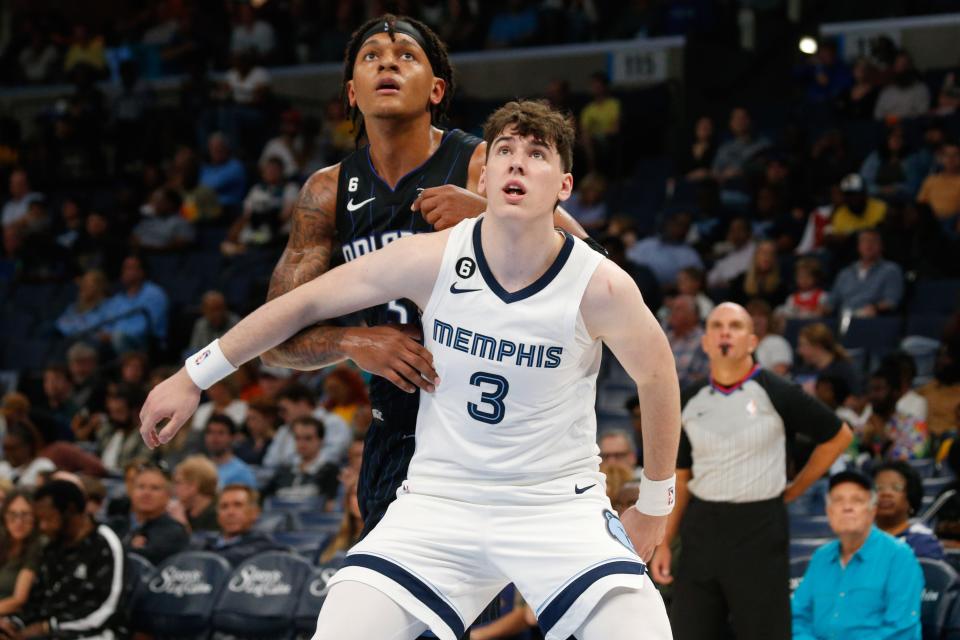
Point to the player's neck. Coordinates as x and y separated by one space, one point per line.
519 252
728 373
397 147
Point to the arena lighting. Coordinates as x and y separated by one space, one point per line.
808 45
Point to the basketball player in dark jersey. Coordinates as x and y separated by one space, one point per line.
411 178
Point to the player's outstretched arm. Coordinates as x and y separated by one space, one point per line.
406 268
614 311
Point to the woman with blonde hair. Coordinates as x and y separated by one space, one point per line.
89 310
762 278
195 486
351 527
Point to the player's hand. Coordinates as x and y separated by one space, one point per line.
392 352
660 565
175 399
645 532
446 205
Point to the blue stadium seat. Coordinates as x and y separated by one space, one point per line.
798 567
181 595
928 325
306 543
261 596
939 595
924 466
923 350
800 547
274 503
933 486
139 571
323 520
877 336
810 527
273 522
312 597
935 296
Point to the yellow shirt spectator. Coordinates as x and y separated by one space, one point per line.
600 119
844 221
942 193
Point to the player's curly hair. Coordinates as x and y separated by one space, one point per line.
437 55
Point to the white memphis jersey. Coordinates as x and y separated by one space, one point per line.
515 404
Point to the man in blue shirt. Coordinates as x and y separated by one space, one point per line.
870 286
140 308
864 586
218 440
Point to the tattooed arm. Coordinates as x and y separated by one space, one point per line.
389 351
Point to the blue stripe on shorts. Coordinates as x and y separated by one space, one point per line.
552 613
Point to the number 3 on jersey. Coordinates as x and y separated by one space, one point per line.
490 409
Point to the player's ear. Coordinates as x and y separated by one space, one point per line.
566 187
438 90
351 94
482 182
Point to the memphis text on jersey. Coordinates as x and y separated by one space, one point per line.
491 348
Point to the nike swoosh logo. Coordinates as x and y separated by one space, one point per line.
578 490
453 289
353 207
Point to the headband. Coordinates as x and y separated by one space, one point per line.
399 26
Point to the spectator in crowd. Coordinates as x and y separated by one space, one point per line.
238 508
907 96
351 527
915 239
79 587
345 392
827 77
617 448
730 511
885 169
921 162
685 335
733 156
195 487
295 400
910 402
19 551
942 190
15 209
38 60
942 392
858 211
22 464
215 320
223 399
99 246
690 282
667 253
56 409
697 160
860 100
773 352
218 440
642 275
263 420
133 368
251 34
833 392
736 254
616 476
164 230
151 532
600 124
89 312
822 355
224 173
6 487
899 498
118 433
515 25
266 209
587 204
309 476
120 505
140 308
86 50
947 527
199 202
881 574
888 433
808 300
762 278
288 147
88 390
871 286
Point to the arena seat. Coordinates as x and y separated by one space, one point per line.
923 350
180 597
304 543
935 296
261 596
933 486
939 595
798 567
312 597
876 336
923 466
810 527
138 573
928 325
273 522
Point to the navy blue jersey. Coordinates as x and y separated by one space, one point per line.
369 216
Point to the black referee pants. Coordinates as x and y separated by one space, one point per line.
733 571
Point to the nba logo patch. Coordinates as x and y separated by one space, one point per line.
201 357
752 408
615 529
670 496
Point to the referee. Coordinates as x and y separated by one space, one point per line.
732 489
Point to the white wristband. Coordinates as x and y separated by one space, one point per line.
208 366
657 497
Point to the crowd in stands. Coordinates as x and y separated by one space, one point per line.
134 233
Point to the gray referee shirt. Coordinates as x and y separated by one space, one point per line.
734 439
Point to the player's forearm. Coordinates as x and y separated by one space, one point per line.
312 348
566 222
659 395
820 461
267 326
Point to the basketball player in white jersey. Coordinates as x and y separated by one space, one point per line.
504 484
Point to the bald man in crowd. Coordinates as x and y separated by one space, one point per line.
732 489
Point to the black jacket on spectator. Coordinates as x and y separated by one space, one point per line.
244 546
79 589
291 482
165 537
206 521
